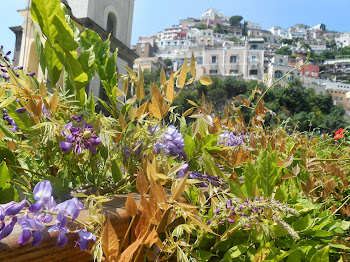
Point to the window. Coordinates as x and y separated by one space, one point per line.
142 47
341 98
209 34
111 24
203 33
281 62
213 72
253 58
234 72
233 59
161 43
213 59
254 47
336 98
182 42
168 43
278 74
175 43
253 72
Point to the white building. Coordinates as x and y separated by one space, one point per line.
104 17
252 25
343 40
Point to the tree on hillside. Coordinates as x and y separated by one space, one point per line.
327 54
284 50
286 41
234 87
235 20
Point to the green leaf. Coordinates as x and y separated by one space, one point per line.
43 12
57 186
339 246
40 50
116 172
4 175
111 66
321 255
8 194
54 66
91 103
65 36
104 152
7 132
87 61
6 153
189 146
302 223
208 141
250 177
202 256
236 251
294 257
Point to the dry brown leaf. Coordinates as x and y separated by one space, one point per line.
178 188
151 239
130 206
141 183
110 241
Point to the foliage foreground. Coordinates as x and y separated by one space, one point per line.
217 189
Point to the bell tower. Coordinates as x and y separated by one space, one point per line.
114 16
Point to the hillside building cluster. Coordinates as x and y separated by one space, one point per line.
249 52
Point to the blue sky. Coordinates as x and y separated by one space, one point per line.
151 16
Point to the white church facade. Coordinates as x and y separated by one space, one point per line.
102 16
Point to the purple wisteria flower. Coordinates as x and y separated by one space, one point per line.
32 219
42 193
182 171
82 136
84 239
232 139
206 179
21 110
172 142
9 120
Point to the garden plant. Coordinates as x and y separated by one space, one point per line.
212 187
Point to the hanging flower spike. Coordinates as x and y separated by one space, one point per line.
172 142
338 134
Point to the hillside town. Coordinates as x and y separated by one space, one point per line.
225 46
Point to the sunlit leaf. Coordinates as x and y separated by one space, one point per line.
110 241
193 66
130 206
183 74
162 77
178 188
205 80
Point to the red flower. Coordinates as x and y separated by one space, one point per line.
339 133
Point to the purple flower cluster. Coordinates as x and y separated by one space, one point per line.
9 120
6 65
232 139
252 211
32 219
206 179
82 136
172 142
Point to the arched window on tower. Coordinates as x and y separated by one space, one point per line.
112 24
